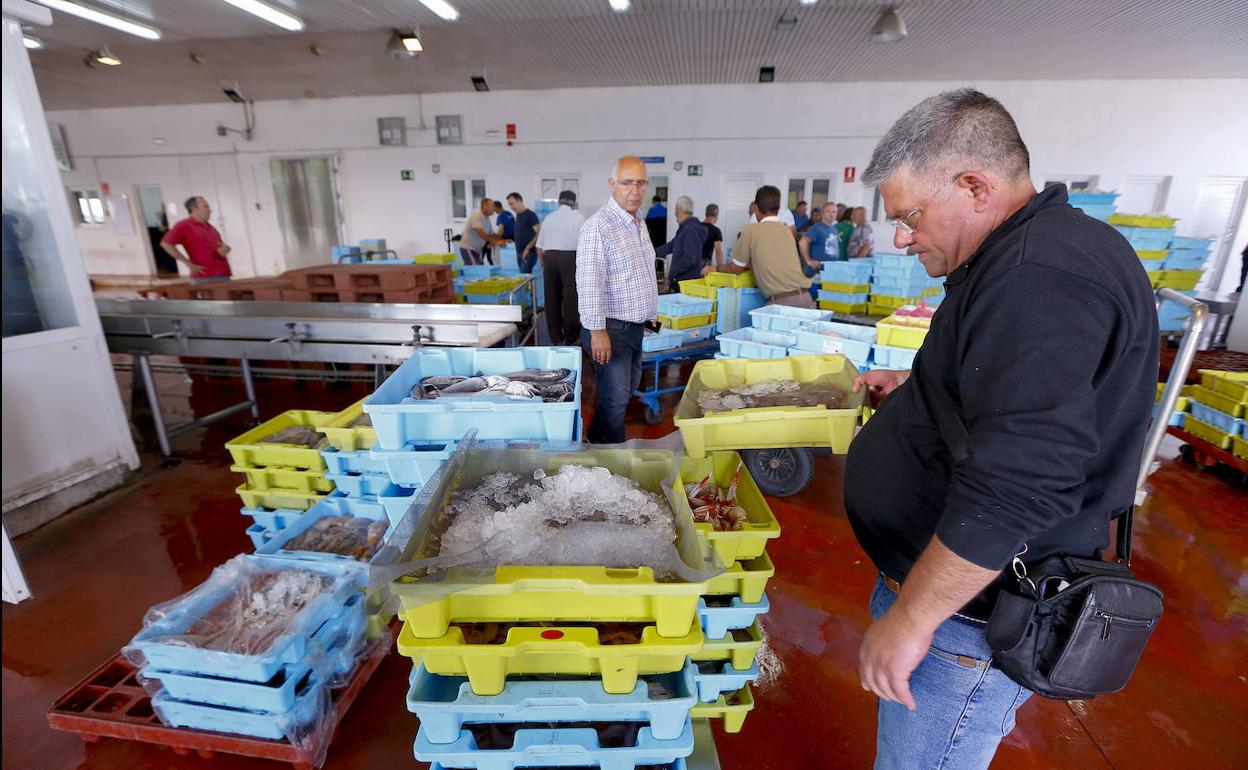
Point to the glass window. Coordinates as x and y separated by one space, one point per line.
797 189
820 189
87 206
478 192
459 203
36 293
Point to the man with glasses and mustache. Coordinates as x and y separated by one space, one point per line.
1018 431
618 295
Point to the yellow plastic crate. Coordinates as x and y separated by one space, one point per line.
1152 254
1232 384
932 291
1206 432
733 714
434 259
495 285
743 280
284 479
595 594
750 541
1141 220
875 308
846 288
686 321
844 308
698 287
776 426
343 436
747 579
277 498
248 449
573 650
887 300
1220 401
1239 447
740 654
902 333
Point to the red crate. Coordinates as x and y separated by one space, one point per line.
318 277
110 703
250 289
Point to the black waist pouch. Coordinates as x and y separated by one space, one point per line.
1071 628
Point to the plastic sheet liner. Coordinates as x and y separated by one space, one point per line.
413 555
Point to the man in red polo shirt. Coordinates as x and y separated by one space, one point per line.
205 251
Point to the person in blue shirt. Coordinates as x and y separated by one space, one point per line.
657 209
800 219
820 241
685 247
506 222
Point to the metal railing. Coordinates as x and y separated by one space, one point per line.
1178 375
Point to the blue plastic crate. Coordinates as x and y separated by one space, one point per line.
749 342
887 357
894 261
733 306
336 644
899 274
1078 199
396 501
445 703
414 464
1218 419
507 257
261 667
276 545
718 621
697 334
851 271
782 318
832 337
717 677
272 519
1176 418
1152 264
664 339
522 297
344 254
1147 238
1101 212
359 484
259 536
840 296
257 724
400 419
679 764
476 272
1195 245
1182 260
557 747
681 305
901 287
359 461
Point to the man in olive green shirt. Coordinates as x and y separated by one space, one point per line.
767 247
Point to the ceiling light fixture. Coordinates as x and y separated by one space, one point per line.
442 8
889 28
808 2
400 45
479 84
105 19
33 43
786 23
619 6
103 56
411 41
270 14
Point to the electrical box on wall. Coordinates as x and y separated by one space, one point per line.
450 129
392 132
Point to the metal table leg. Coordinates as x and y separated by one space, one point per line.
144 366
251 390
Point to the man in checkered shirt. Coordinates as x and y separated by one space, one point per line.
618 295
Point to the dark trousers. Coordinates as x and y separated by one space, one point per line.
616 381
563 316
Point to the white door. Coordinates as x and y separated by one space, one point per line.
63 421
734 214
1219 207
1143 194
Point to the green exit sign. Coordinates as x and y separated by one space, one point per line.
695 170
407 175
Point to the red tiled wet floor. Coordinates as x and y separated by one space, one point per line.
95 572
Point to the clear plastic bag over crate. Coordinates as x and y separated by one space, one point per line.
504 505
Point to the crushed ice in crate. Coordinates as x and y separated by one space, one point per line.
346 535
820 392
300 435
249 620
551 385
575 516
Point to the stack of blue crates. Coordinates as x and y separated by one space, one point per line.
898 279
772 333
833 337
1098 205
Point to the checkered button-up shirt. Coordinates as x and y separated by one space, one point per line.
615 269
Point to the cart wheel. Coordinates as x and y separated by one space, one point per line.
653 416
780 472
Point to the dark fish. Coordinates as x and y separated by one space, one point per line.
429 387
556 391
540 375
474 384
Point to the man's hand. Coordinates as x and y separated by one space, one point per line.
600 346
223 250
880 382
892 649
196 269
709 269
815 264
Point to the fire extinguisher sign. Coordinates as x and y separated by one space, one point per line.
851 173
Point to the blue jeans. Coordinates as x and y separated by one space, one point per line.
616 381
965 705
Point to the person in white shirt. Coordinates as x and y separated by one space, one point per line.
556 248
786 216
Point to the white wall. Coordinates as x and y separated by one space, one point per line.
1185 129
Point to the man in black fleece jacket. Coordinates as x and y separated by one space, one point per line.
1046 349
685 247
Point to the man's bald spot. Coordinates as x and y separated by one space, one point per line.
629 167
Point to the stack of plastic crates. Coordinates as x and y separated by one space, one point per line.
1179 416
1151 235
898 280
835 338
268 675
1217 410
1096 204
282 479
569 666
685 318
899 337
771 333
698 288
500 290
845 287
735 296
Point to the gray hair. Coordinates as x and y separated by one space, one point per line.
962 128
684 203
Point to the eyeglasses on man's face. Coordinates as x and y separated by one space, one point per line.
636 184
906 223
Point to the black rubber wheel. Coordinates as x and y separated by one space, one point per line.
780 472
651 416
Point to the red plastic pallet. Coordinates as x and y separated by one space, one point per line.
110 703
1207 454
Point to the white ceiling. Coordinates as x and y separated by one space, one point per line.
526 44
